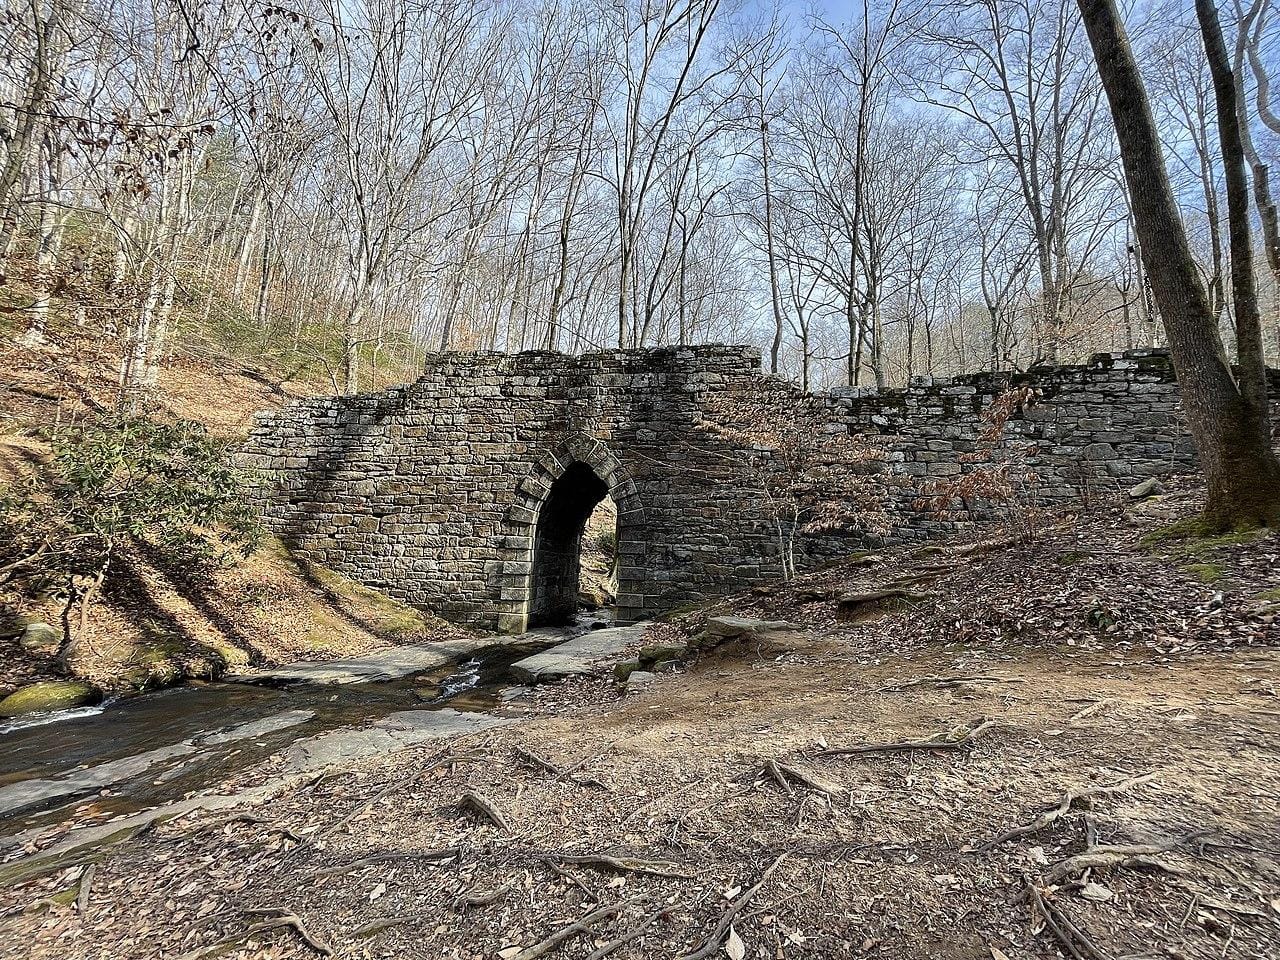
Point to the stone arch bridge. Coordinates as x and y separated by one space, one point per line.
466 491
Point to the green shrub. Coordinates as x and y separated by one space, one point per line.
119 484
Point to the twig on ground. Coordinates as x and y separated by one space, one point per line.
1073 942
583 925
1069 799
966 738
603 861
635 933
1089 710
711 945
85 886
945 683
477 802
252 819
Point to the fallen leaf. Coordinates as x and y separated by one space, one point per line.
733 945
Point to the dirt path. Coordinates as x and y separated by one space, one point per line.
879 867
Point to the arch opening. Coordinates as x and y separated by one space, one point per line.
556 578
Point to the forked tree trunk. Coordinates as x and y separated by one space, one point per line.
1231 432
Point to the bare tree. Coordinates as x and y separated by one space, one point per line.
1229 427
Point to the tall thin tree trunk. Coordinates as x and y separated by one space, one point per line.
1244 292
1230 431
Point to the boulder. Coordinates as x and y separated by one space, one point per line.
48 696
656 653
762 636
11 626
864 560
1147 488
41 640
811 594
590 654
623 671
639 679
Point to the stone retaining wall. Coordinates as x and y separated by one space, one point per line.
433 491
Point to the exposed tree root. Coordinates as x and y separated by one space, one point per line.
782 773
581 926
966 738
483 898
382 923
711 945
478 803
1115 855
1073 942
541 763
276 918
635 933
564 874
602 861
444 853
1069 799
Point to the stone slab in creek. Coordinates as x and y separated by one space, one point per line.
591 653
395 731
387 663
297 765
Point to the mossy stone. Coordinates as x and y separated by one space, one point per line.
656 653
47 696
622 671
12 626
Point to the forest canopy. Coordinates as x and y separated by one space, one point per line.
926 188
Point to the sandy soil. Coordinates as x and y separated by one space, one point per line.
876 854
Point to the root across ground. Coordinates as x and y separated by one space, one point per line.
977 800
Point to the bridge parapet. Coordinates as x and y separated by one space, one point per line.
433 491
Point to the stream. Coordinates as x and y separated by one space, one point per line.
132 753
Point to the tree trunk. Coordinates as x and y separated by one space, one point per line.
775 293
1230 431
1244 293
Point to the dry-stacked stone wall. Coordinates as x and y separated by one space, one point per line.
433 491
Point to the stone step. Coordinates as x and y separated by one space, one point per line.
590 654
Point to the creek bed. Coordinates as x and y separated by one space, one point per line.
137 752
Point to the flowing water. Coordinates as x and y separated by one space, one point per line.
137 752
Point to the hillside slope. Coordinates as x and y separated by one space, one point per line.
155 624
